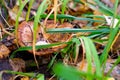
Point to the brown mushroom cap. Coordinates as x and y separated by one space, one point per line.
25 37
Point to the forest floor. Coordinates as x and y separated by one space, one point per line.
59 40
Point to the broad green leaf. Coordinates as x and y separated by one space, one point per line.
67 73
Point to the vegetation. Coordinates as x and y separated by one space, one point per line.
81 42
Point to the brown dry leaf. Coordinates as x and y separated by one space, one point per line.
116 44
78 9
1 27
0 30
25 78
11 22
97 12
118 9
5 65
80 23
115 72
108 3
17 64
113 1
36 4
84 66
13 13
4 51
57 37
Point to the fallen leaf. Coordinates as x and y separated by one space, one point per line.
4 51
11 64
17 64
13 14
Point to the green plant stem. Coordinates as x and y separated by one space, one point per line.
17 18
29 8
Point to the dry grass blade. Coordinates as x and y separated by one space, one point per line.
55 10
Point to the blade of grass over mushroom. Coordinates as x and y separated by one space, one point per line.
113 33
70 17
29 8
37 47
17 18
40 11
64 30
39 76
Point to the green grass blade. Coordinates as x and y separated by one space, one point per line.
40 11
113 33
19 13
92 53
95 58
39 76
77 43
96 16
70 17
64 30
103 8
64 4
116 6
37 47
52 61
115 13
67 72
88 57
29 8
